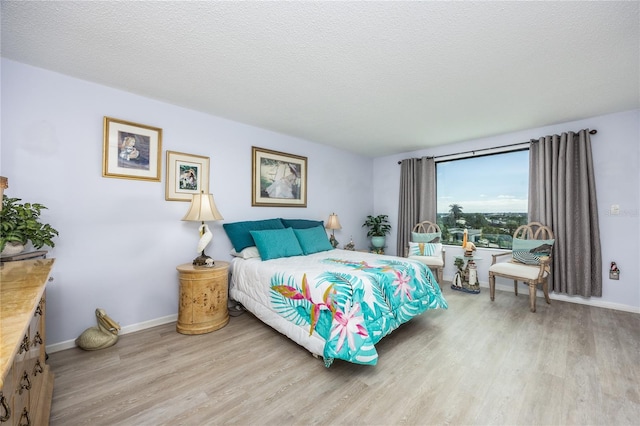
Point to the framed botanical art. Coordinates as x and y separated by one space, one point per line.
278 179
187 174
131 150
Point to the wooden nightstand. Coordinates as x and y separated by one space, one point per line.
203 298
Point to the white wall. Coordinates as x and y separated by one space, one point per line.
616 153
120 241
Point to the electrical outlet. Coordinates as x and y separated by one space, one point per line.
615 209
614 271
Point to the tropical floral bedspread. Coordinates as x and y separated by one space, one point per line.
349 299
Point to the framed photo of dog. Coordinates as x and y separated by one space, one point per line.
187 174
131 150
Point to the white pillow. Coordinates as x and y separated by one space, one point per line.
425 249
246 253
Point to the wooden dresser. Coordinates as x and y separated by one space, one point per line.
26 385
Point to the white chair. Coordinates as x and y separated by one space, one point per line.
431 231
531 266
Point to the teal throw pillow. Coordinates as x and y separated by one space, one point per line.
431 237
276 243
313 240
240 232
530 251
301 223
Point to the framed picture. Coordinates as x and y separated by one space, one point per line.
278 179
131 150
187 174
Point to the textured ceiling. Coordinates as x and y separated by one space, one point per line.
375 78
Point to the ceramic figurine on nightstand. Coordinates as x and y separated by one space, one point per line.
350 246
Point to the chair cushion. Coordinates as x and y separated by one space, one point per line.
530 251
512 269
433 261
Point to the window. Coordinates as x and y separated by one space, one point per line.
487 195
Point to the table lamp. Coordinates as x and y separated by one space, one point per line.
333 223
203 209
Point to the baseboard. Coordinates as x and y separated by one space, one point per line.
571 299
56 347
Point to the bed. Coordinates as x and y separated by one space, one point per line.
335 303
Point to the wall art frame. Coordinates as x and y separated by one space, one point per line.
131 150
187 174
278 179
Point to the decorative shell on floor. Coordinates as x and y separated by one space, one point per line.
102 336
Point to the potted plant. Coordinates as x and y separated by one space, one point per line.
379 227
20 223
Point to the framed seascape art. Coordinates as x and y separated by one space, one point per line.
131 150
278 179
187 174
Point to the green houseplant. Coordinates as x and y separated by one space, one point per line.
20 223
379 227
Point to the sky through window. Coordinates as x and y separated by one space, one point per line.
496 183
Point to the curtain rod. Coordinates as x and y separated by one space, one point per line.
591 132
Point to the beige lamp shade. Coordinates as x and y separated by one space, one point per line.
333 222
203 209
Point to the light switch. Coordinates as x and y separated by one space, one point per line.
615 209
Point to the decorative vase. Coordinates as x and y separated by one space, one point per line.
378 242
12 248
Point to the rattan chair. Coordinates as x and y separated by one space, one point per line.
435 263
531 274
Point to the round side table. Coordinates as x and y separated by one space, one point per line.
203 298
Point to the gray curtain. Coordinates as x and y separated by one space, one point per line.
417 197
562 195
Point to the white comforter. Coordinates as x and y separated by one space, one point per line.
336 303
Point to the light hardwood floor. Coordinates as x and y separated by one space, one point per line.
477 363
